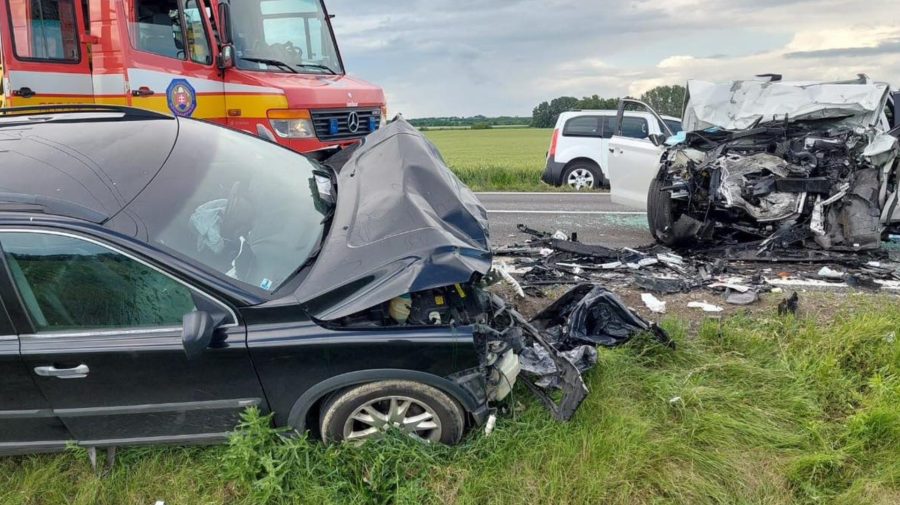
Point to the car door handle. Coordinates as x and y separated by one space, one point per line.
143 91
24 92
79 372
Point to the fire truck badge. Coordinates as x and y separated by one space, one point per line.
181 97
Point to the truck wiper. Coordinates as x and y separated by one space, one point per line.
274 63
314 65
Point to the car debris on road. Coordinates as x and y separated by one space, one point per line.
738 273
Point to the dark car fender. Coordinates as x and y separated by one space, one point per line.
475 406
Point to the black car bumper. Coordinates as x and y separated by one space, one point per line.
553 172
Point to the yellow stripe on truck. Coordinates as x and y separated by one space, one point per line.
256 106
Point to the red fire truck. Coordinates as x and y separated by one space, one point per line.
270 67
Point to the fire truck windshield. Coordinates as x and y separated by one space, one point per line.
284 36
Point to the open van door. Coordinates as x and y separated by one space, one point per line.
45 53
633 162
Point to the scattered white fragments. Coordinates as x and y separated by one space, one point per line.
503 269
707 307
828 273
653 303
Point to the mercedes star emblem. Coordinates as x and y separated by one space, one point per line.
353 122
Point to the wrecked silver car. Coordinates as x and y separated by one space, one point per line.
780 164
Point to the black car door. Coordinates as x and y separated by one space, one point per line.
27 423
103 342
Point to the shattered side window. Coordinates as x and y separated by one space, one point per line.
635 128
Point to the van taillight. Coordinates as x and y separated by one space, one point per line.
552 152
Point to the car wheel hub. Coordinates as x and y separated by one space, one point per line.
410 416
581 178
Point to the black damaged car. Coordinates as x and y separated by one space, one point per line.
160 275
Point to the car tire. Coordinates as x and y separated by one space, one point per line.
367 411
660 214
584 171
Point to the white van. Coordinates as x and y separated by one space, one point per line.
579 149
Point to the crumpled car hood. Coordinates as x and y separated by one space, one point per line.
740 104
403 223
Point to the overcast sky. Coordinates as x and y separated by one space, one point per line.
493 57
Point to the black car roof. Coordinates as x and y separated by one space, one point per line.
86 162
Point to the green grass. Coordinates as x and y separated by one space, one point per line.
766 410
500 159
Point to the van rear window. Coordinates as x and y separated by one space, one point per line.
45 30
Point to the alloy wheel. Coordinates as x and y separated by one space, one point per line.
410 416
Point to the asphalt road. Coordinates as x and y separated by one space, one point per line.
596 219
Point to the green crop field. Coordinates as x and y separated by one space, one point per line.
499 159
755 410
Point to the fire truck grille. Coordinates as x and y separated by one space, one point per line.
339 124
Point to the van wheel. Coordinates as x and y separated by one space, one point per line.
368 411
583 175
660 214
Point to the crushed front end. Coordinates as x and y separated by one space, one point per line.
780 172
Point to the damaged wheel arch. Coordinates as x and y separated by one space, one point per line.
303 407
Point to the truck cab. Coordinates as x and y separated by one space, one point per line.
268 67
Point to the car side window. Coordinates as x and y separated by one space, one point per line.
582 126
45 30
69 283
635 127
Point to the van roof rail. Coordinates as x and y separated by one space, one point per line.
129 112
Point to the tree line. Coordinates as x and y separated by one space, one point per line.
666 100
478 121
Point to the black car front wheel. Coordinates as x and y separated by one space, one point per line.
370 410
660 214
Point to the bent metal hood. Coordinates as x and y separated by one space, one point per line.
739 105
403 223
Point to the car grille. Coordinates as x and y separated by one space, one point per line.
334 124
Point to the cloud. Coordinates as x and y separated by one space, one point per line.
465 57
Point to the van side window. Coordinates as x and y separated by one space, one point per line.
582 126
158 28
635 127
45 30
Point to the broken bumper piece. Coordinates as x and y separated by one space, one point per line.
559 344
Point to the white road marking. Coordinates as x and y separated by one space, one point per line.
549 193
571 212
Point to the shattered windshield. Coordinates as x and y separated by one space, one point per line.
242 207
290 36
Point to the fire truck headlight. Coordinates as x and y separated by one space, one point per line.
292 123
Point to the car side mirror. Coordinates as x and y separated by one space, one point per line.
226 57
657 139
197 330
